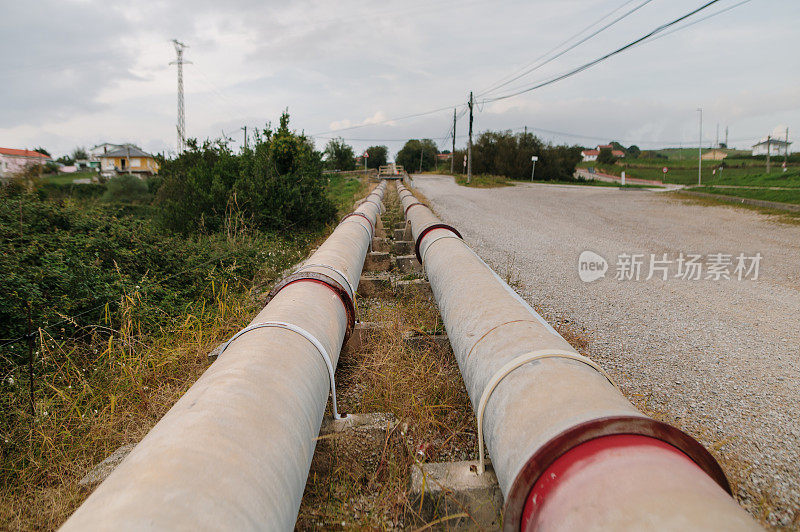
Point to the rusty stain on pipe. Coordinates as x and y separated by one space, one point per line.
234 451
545 408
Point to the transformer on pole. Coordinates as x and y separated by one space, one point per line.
181 125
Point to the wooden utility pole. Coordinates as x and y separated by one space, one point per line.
769 140
469 142
245 137
453 153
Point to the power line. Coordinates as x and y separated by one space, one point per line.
415 115
527 71
604 57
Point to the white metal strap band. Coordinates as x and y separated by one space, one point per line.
440 237
510 366
305 334
352 293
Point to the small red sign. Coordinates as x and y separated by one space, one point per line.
664 169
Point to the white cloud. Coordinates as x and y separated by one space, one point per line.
82 72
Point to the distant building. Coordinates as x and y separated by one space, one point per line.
714 155
127 159
14 161
591 155
776 147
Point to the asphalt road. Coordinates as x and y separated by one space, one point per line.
718 358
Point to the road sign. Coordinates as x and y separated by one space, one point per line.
664 169
366 154
534 158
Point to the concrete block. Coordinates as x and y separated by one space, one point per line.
362 333
377 261
356 442
422 341
374 286
407 264
402 247
444 489
400 225
212 356
380 244
400 234
407 235
380 231
414 287
101 471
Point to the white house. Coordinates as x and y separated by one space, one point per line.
590 155
776 147
14 161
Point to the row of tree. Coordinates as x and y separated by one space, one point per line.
494 152
339 155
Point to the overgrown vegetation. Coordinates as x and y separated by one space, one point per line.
503 153
339 155
122 311
276 184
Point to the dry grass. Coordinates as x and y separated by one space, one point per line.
421 386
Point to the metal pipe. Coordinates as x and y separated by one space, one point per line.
540 400
235 450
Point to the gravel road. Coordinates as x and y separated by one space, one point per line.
718 358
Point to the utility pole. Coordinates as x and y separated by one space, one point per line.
716 145
726 138
469 142
245 136
700 150
453 153
786 151
181 125
420 158
769 140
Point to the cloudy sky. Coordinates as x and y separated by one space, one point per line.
81 72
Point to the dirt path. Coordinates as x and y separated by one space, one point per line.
718 358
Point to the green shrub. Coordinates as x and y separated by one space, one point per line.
503 153
126 188
276 184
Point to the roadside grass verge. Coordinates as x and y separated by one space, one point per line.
343 190
781 216
494 181
766 194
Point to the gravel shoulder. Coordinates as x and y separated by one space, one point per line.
719 359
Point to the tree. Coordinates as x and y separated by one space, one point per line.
409 155
507 154
79 153
339 155
633 152
606 157
42 151
378 156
